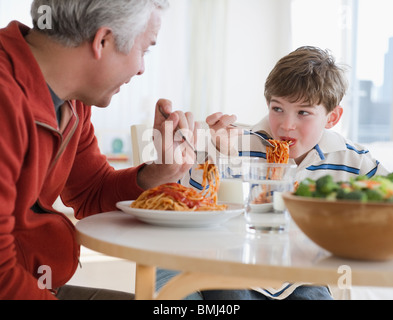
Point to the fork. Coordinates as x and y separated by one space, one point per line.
254 133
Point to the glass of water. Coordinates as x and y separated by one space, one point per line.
263 184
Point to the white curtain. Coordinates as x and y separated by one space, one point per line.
207 56
233 47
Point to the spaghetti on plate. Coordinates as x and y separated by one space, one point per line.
175 197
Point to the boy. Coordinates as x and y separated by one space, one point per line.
303 92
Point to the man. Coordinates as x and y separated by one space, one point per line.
49 77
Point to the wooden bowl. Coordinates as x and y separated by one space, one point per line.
347 229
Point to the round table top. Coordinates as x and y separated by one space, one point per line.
227 249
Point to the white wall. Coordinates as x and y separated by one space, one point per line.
165 77
15 10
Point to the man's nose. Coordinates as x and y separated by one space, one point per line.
142 69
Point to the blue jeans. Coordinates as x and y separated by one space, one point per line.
301 293
163 276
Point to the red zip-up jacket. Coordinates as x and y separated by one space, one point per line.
38 162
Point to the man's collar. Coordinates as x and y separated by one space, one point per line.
57 103
26 71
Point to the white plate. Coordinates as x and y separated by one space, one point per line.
182 219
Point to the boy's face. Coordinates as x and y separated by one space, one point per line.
300 123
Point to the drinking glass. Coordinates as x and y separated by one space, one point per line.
231 180
263 185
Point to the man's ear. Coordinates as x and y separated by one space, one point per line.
334 117
101 41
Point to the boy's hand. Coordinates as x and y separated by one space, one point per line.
224 136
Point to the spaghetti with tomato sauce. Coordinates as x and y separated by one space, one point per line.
279 153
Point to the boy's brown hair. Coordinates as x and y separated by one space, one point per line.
308 74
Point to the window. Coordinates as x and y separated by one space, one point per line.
373 69
359 35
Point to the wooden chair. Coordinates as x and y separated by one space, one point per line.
142 144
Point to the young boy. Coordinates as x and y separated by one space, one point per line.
303 93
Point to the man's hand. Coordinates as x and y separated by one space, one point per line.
175 156
224 137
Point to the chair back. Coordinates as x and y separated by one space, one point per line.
142 144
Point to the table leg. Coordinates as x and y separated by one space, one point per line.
145 282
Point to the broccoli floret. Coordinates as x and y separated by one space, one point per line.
319 195
390 177
355 195
326 185
374 195
342 193
306 188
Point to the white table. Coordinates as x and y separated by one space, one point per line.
223 257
